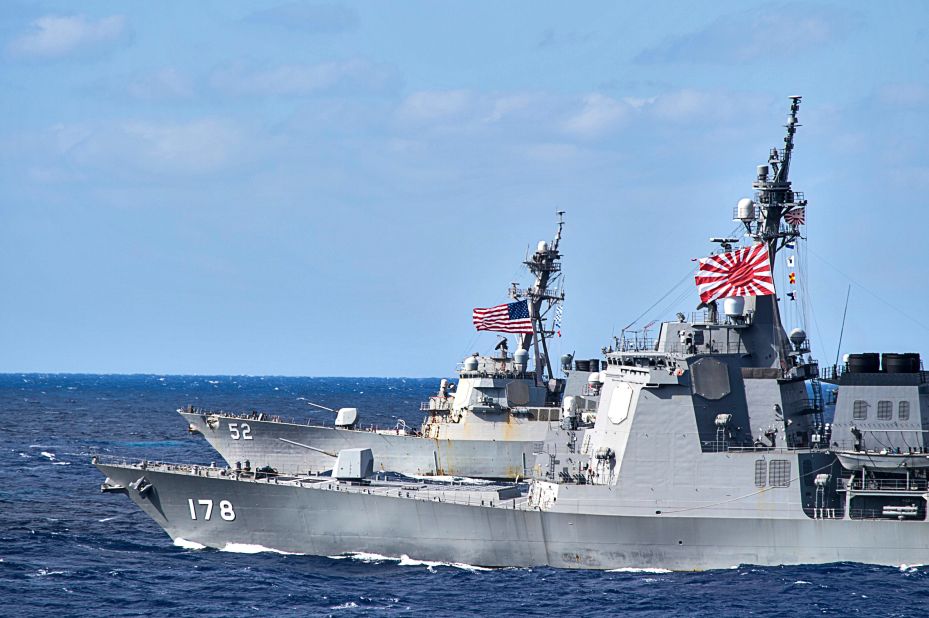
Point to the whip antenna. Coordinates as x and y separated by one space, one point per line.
842 331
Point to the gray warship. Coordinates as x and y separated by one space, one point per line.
492 423
708 451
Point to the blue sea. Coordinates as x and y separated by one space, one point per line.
68 550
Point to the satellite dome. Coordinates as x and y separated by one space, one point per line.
734 306
797 336
745 209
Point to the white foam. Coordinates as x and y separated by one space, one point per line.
405 560
248 548
46 572
115 516
638 570
182 542
349 605
61 463
47 455
365 557
801 582
910 567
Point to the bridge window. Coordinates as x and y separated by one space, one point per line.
903 411
779 473
885 410
761 472
860 410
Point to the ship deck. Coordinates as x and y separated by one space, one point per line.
471 492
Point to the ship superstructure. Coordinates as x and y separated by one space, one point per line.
707 451
501 414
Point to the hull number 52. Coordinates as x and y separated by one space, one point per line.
240 431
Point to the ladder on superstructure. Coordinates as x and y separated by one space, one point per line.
818 406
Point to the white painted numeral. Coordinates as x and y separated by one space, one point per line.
244 434
225 509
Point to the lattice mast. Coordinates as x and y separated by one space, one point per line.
545 265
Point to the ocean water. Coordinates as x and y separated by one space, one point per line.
68 550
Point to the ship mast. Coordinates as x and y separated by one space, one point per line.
544 264
775 198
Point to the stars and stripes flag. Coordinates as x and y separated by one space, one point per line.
796 217
509 318
743 272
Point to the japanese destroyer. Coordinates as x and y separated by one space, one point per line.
707 451
492 423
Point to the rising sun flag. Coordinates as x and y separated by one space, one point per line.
743 272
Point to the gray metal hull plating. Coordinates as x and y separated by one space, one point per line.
320 521
277 444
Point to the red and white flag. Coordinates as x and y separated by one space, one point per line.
796 217
743 272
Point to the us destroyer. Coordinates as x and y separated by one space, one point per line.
492 423
707 452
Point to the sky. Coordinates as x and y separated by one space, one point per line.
302 188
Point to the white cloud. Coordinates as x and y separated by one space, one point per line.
57 36
310 18
915 95
199 146
510 105
165 83
305 79
430 106
470 111
124 147
751 35
598 115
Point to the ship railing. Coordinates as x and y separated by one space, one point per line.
649 348
527 375
834 372
723 446
710 347
891 485
436 404
636 344
211 469
254 415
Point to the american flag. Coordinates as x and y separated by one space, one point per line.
796 217
743 272
509 318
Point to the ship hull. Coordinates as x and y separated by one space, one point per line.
283 446
310 520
